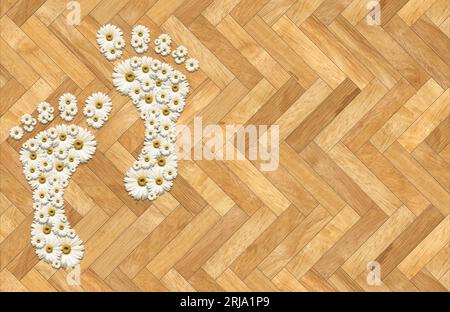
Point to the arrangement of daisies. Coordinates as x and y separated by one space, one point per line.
49 159
110 41
159 93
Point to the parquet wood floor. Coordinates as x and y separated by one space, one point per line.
364 172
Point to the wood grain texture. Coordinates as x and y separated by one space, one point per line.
364 160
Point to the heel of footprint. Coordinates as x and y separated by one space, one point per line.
159 93
49 159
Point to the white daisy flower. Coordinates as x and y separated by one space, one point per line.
112 53
38 241
72 130
123 76
192 65
181 51
56 264
140 31
169 172
33 144
179 60
72 251
60 152
165 50
41 216
61 228
28 128
165 72
97 121
155 65
119 44
158 49
72 157
166 127
26 120
150 134
135 92
44 140
136 183
45 164
156 181
176 103
165 39
41 194
176 77
162 96
51 251
84 145
16 132
65 115
41 229
183 88
108 34
52 133
32 171
45 117
135 61
28 157
146 161
67 99
71 233
147 84
43 107
57 201
151 196
54 216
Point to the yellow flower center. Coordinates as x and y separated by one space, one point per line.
51 212
47 230
156 144
142 181
145 69
129 77
159 181
49 249
148 99
78 144
109 37
66 249
158 83
59 167
62 136
166 111
42 179
161 161
98 105
33 156
175 88
49 151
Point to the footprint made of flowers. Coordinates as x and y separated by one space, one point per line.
159 92
49 159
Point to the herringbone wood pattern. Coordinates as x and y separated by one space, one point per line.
363 114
